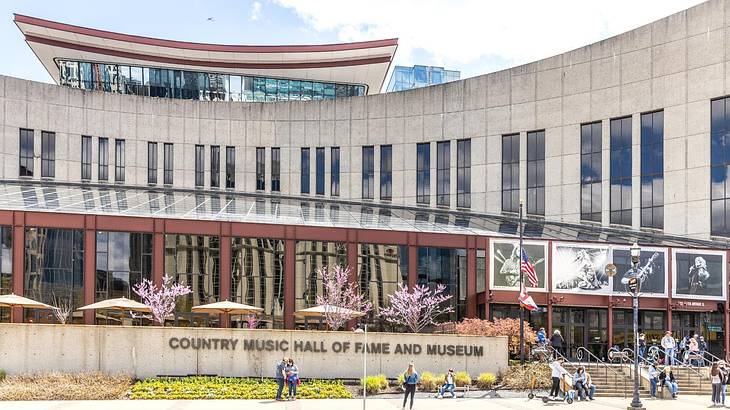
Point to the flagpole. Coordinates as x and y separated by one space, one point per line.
522 309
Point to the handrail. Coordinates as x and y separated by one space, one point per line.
616 375
555 353
654 352
708 361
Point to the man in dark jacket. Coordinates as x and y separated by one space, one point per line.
280 375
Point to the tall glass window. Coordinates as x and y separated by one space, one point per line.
54 271
720 167
590 172
275 169
169 163
6 267
119 159
257 278
123 259
386 172
335 171
443 173
27 153
199 165
319 171
652 170
511 173
85 157
151 162
381 268
48 154
304 179
368 172
423 173
103 159
215 166
230 167
621 171
536 173
260 168
447 267
463 173
194 260
310 256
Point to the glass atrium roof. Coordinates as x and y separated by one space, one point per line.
307 211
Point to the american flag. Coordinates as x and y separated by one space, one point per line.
528 268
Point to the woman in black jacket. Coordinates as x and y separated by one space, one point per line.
557 342
667 378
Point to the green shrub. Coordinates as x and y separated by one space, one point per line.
375 384
429 382
486 380
401 379
193 388
462 379
2 374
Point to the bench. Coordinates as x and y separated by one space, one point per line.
464 390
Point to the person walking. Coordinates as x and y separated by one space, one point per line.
557 342
653 379
725 375
642 347
716 379
694 351
667 378
448 386
669 345
557 371
410 380
702 345
292 377
541 337
280 377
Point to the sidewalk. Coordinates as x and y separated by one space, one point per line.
683 403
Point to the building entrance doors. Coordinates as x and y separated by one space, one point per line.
582 327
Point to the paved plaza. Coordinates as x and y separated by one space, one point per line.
683 402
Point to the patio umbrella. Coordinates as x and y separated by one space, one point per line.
12 300
118 304
322 310
231 308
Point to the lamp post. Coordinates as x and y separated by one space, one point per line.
522 310
633 287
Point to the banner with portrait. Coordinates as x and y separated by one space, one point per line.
699 274
505 267
651 270
580 268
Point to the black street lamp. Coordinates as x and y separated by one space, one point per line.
633 287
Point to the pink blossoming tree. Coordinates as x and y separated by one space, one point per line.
341 300
161 300
418 308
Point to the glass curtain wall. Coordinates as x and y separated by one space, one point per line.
6 267
311 255
448 267
381 268
257 279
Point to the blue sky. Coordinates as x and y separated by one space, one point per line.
474 36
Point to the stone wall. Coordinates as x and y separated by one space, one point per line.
150 351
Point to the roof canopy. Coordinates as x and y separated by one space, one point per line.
363 63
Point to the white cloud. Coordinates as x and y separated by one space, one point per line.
255 11
460 33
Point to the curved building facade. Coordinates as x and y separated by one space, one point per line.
623 140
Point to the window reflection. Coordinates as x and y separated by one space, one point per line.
311 255
6 267
448 267
381 268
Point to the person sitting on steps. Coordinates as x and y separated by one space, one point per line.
666 378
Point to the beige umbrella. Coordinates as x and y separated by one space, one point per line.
118 304
12 300
323 310
232 308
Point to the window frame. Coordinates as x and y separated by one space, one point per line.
423 173
463 173
48 154
386 172
152 160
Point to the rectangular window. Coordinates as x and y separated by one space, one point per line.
335 171
215 166
168 159
652 170
720 167
26 153
275 169
260 169
386 171
48 154
103 159
85 158
119 160
368 172
590 172
123 259
463 173
319 171
230 167
511 173
423 173
151 162
304 180
199 165
536 173
621 171
443 173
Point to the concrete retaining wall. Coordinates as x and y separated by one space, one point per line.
151 351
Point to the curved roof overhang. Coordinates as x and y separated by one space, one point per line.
364 63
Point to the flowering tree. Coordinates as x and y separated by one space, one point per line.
509 327
418 308
63 307
252 322
161 300
341 300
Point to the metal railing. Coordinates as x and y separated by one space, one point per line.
653 357
582 353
